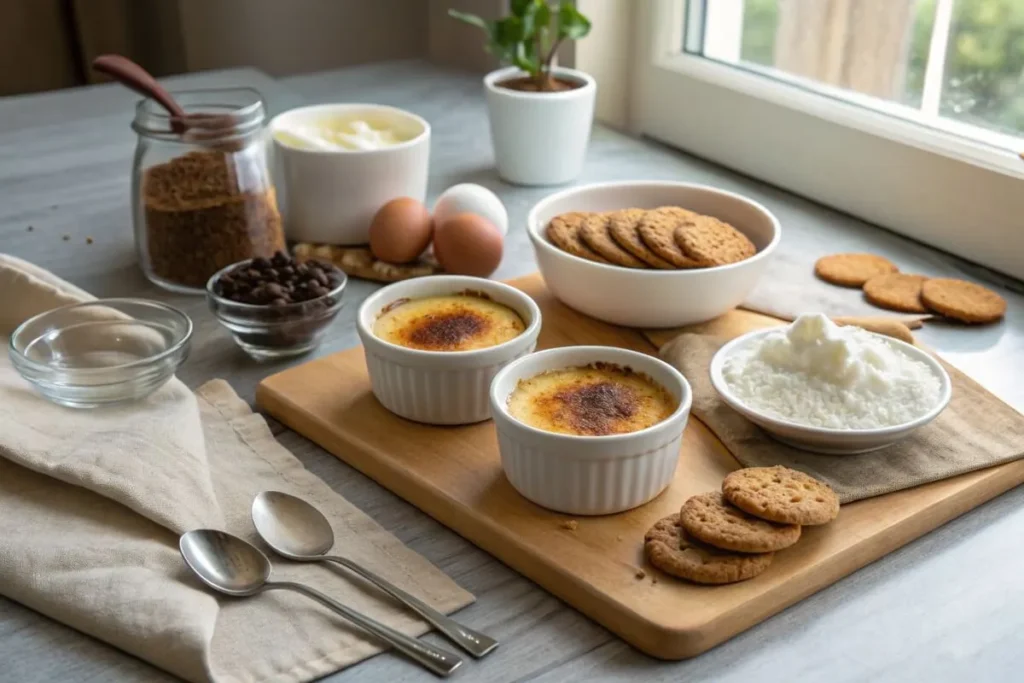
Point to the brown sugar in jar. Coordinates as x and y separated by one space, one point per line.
200 218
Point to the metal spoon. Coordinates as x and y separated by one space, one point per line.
297 530
230 565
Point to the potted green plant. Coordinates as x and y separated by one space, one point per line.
540 114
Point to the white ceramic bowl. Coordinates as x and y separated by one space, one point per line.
820 439
589 475
331 196
441 387
652 298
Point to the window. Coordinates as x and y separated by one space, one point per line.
908 113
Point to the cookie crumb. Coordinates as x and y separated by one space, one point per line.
30 228
654 580
66 238
88 240
620 537
640 574
570 524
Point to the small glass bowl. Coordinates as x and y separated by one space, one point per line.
101 352
267 332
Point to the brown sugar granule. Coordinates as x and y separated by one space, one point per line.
447 330
88 240
30 228
593 408
640 574
570 524
206 210
66 238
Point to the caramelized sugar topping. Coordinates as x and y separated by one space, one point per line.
447 330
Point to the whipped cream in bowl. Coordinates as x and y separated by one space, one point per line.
830 389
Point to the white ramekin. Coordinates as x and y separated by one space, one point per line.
589 475
441 387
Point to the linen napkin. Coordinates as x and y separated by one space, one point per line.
789 287
93 502
975 431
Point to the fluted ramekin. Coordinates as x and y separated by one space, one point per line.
441 387
589 475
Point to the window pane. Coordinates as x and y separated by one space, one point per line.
955 60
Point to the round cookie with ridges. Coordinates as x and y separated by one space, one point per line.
564 233
963 301
657 230
594 233
623 227
709 518
712 242
852 270
673 551
781 495
896 292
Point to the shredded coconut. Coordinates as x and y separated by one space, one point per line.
816 373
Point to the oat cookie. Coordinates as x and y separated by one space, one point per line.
896 292
852 270
564 233
712 242
963 301
657 230
594 233
709 518
673 551
361 263
622 226
781 495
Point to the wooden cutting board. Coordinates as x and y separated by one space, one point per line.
594 564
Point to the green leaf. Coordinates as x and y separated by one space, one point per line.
520 7
571 22
471 19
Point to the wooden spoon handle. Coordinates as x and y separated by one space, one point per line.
133 76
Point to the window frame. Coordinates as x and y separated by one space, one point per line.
928 183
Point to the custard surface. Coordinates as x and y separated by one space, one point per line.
460 322
593 400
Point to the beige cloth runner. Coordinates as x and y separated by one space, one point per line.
975 431
789 288
92 502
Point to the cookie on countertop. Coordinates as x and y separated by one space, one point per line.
564 233
595 234
361 263
657 230
712 242
962 300
852 270
781 495
623 227
673 551
709 518
896 292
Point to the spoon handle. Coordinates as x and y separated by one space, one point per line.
473 642
441 662
132 75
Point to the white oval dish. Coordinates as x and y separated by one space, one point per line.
820 439
652 298
589 475
441 387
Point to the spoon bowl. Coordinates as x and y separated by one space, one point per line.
224 562
291 526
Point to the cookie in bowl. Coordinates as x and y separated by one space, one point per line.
589 430
434 344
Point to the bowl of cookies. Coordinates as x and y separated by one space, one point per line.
651 254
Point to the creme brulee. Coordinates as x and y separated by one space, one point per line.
594 400
460 322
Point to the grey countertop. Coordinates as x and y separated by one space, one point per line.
948 606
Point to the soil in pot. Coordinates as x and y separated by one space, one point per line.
551 84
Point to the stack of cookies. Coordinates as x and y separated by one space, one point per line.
732 535
886 287
666 238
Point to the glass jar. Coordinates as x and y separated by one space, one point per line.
202 199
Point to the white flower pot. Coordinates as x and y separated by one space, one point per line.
540 138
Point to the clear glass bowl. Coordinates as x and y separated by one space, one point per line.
101 352
266 332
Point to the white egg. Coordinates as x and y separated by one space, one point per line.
471 198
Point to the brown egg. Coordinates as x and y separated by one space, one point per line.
401 230
467 244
